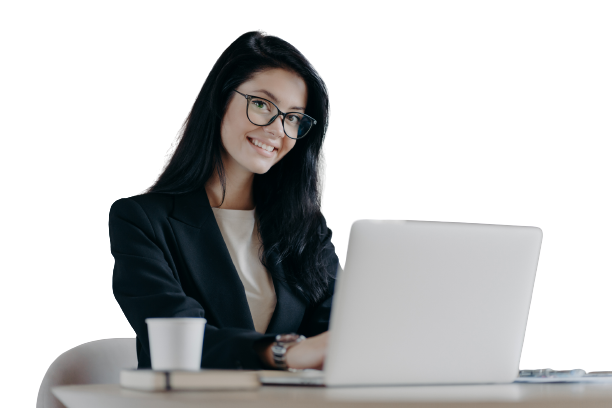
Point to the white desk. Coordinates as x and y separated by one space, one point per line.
456 396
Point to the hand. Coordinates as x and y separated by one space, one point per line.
309 353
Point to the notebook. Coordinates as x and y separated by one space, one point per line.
429 303
211 380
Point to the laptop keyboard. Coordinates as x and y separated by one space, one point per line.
303 377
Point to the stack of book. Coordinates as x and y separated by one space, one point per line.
202 380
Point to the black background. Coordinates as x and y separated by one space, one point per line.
421 128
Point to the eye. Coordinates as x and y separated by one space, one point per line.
293 119
260 104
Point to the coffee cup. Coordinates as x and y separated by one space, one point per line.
176 343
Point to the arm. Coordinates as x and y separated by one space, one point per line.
264 351
311 352
145 285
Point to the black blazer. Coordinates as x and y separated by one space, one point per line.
171 260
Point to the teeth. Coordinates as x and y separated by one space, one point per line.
262 145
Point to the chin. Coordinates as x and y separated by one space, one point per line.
260 169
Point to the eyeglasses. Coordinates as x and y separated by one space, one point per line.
262 112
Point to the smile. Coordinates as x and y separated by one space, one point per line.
262 145
261 150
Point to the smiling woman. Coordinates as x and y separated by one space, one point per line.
240 135
232 229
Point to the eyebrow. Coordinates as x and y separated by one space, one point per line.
275 99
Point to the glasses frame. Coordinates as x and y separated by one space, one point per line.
280 112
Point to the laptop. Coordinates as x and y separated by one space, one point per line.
424 302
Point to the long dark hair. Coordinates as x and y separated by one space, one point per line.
287 197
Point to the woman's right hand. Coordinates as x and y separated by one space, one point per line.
309 353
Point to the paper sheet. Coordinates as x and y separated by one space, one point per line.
583 379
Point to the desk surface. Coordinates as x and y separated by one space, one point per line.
480 396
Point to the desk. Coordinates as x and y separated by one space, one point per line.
455 396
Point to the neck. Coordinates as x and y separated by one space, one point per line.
238 192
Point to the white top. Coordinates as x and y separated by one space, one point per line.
243 242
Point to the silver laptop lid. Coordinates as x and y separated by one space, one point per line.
431 302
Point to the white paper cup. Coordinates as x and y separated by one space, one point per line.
176 342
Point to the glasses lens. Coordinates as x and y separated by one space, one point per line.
261 111
297 125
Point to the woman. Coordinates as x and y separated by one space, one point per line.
232 229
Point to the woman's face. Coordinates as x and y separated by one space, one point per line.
288 91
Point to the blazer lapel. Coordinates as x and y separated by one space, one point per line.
208 261
211 268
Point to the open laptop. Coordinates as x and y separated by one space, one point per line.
428 303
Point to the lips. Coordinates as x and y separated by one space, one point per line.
262 145
260 141
262 152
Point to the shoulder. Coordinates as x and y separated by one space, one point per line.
153 205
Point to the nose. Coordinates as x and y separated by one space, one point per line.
276 127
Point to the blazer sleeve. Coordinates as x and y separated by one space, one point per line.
145 286
316 318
